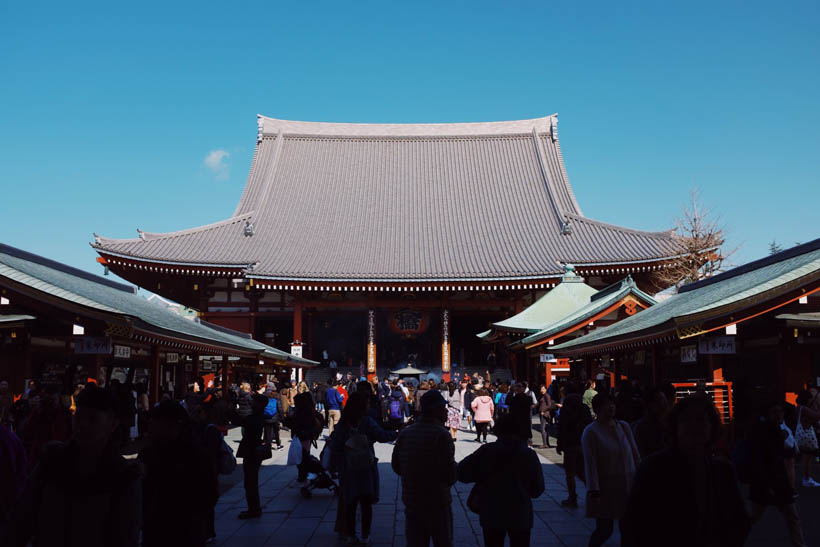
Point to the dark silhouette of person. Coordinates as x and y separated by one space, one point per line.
424 458
82 493
509 476
180 485
683 495
305 426
253 450
357 464
572 420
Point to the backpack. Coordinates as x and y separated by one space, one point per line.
225 460
502 400
272 408
358 456
395 409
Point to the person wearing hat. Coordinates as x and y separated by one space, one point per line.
424 458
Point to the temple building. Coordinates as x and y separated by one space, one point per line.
570 310
747 336
385 245
61 326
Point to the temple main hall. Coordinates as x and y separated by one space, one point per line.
384 245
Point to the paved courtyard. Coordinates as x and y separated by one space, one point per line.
289 519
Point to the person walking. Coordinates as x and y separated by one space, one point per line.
273 419
453 398
508 476
253 451
572 419
544 415
589 394
770 483
305 427
354 458
396 409
483 409
424 458
209 439
467 395
610 461
682 495
335 401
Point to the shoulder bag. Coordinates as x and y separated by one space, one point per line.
806 437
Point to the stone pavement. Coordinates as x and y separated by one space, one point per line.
289 519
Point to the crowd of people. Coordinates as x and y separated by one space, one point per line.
649 465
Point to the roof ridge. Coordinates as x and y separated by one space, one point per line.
797 250
64 268
270 126
101 241
663 234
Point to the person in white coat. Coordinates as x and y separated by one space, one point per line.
610 459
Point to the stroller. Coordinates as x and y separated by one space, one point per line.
318 477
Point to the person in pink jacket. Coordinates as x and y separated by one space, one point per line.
483 408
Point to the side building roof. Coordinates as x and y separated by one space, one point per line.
698 308
329 202
70 286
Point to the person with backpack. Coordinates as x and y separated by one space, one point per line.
500 399
507 476
573 417
273 419
253 451
483 408
353 456
396 409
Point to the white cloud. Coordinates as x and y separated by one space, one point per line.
217 162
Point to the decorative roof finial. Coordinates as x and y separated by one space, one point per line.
566 227
554 128
141 234
569 269
260 126
248 228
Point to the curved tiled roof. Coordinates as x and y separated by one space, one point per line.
403 202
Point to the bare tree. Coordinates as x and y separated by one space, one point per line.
700 237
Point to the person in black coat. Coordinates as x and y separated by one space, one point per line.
180 485
305 426
573 417
509 476
683 496
253 451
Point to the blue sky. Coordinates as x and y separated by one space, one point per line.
119 116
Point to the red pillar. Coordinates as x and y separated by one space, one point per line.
297 320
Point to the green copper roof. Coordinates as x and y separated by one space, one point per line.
570 294
91 291
713 297
598 303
